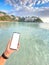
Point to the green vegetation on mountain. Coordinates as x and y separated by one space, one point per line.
6 17
38 20
21 19
2 12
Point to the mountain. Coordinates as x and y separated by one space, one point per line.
30 19
6 17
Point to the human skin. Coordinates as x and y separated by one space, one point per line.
7 53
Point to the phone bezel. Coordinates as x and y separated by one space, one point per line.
12 38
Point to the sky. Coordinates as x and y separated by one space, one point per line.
25 7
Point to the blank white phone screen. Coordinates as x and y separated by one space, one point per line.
15 40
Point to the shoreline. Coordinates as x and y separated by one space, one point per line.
18 21
7 21
4 21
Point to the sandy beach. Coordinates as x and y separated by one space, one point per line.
4 21
7 21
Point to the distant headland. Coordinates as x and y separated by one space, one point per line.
4 17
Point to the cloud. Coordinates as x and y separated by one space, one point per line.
29 6
41 12
18 4
44 13
41 2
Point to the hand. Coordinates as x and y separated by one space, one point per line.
9 51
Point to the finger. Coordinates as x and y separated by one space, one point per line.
18 47
9 43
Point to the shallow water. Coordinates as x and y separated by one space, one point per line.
34 43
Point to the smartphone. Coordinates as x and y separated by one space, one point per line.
15 40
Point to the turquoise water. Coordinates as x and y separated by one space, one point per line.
34 43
